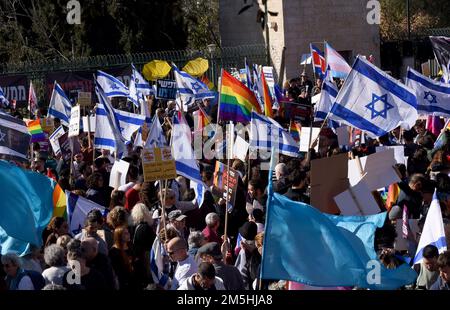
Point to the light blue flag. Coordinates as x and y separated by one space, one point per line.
433 98
60 106
189 89
266 133
373 101
111 85
26 207
325 250
3 101
185 161
107 126
156 134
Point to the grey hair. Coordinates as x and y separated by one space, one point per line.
281 169
140 213
54 255
195 239
211 219
53 287
12 258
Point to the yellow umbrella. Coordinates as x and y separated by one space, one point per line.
156 69
196 67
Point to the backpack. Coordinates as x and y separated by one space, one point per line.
36 278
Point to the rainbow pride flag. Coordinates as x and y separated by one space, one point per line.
204 79
267 98
35 129
440 141
393 193
59 202
236 101
295 129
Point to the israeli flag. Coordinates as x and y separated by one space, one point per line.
266 133
189 89
156 135
257 86
432 97
107 126
128 122
373 101
77 209
327 97
145 111
139 87
157 264
185 161
3 101
339 68
60 106
433 231
112 86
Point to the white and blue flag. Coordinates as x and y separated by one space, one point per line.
189 89
139 87
3 101
128 122
433 231
373 101
107 126
266 133
77 209
185 161
327 97
111 85
156 135
60 106
432 97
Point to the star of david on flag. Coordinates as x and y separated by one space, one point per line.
373 101
432 96
373 107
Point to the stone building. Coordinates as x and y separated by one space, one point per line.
342 23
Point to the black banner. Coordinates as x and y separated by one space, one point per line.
15 87
166 89
74 82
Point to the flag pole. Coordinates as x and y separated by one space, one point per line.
227 198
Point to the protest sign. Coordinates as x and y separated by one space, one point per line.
399 152
74 124
240 148
305 140
226 181
84 98
54 140
166 89
357 200
328 179
91 125
119 172
158 164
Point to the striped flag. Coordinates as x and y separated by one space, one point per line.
59 202
319 62
295 129
32 100
339 68
3 101
77 210
35 129
14 138
60 106
405 225
236 101
393 192
266 96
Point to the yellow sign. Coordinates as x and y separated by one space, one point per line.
47 125
158 164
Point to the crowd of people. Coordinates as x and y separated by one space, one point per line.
127 247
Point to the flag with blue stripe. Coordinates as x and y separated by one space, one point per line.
338 67
373 101
3 101
112 86
327 97
248 76
107 126
266 133
77 209
157 265
128 122
156 135
433 231
139 87
60 106
432 97
185 161
189 89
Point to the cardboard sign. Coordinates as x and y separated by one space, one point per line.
166 89
295 111
399 153
84 99
158 164
343 135
47 124
118 176
240 148
357 200
328 179
64 145
74 123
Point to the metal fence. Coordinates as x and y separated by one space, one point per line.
226 57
